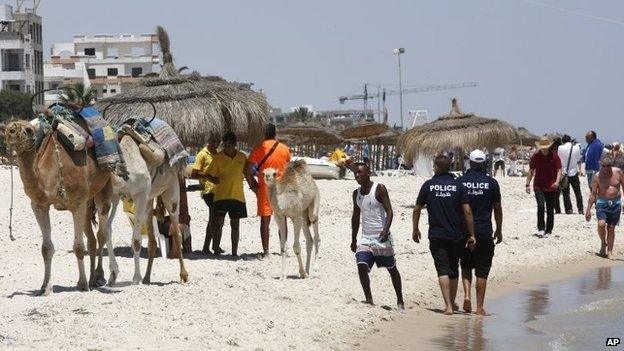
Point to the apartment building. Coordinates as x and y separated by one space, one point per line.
107 63
21 49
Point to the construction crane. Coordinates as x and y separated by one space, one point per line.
424 89
382 94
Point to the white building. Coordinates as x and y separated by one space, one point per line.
21 50
108 64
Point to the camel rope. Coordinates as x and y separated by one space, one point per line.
62 193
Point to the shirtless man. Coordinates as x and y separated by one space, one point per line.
607 194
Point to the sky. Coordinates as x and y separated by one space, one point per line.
547 65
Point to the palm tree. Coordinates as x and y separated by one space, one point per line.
78 94
301 114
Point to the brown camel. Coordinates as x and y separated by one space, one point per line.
68 180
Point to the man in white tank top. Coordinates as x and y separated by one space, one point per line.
371 205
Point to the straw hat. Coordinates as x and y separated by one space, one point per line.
543 143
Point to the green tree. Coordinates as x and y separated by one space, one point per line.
14 105
78 94
301 114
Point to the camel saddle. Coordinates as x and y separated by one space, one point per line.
81 130
150 150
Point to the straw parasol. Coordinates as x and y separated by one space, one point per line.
526 137
389 137
456 131
196 107
311 132
364 130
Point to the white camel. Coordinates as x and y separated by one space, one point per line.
297 197
146 182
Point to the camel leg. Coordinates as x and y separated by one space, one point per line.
136 252
171 199
313 216
317 243
103 207
281 224
297 244
92 246
79 216
309 243
112 262
151 241
42 214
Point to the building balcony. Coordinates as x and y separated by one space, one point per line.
110 39
151 59
13 75
114 80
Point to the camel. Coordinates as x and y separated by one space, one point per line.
146 181
297 197
67 180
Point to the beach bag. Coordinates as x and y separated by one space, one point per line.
564 183
256 168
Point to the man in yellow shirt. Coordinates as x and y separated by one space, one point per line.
228 168
200 170
339 158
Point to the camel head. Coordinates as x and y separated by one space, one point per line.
20 136
270 176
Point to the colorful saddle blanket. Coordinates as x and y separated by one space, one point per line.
105 145
165 137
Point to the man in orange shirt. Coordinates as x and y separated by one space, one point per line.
269 154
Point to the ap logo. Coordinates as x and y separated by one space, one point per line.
613 342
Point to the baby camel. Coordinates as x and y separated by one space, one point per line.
297 197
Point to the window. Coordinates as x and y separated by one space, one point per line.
113 91
91 73
112 72
54 85
89 51
14 87
137 71
104 90
137 51
112 52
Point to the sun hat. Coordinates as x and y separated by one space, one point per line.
543 143
477 156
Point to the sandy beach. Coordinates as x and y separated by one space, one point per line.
242 304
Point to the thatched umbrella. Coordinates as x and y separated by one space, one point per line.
196 107
364 130
313 132
456 131
310 137
389 137
525 137
383 148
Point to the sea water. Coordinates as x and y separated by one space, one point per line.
580 313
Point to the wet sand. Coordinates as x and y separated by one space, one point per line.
552 308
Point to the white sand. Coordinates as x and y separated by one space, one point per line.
242 304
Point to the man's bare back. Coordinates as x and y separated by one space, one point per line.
609 183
